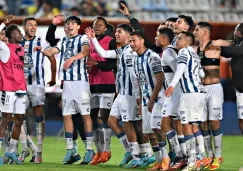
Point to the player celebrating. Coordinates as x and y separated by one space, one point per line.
74 51
192 101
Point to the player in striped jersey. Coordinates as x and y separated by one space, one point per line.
171 104
76 93
34 74
125 105
149 69
189 72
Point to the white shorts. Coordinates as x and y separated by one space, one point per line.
75 98
239 100
171 104
11 103
102 100
124 107
191 107
35 95
214 102
152 120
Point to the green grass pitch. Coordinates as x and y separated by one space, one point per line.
54 151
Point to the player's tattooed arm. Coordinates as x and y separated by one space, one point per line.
53 70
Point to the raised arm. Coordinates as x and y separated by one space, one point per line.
50 35
229 51
102 52
53 70
4 52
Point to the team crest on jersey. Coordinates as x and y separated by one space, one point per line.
28 61
68 54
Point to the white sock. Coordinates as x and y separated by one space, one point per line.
208 143
200 142
142 149
173 140
40 135
107 139
97 140
182 144
191 147
13 146
6 141
123 139
23 137
31 145
148 149
89 138
217 135
162 146
135 150
157 153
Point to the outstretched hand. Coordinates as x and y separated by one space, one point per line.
124 10
57 19
90 32
8 19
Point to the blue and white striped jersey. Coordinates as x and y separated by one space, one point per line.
169 63
191 79
146 66
34 61
126 78
173 43
69 47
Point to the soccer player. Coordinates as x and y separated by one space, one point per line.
170 22
73 70
189 73
210 61
102 87
149 69
12 87
34 74
171 104
125 104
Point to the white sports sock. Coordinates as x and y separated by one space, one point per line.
107 139
31 145
157 153
217 135
135 150
40 135
173 140
123 139
23 137
148 149
13 146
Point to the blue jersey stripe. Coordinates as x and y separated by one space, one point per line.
43 72
185 83
130 86
64 71
124 73
79 61
190 73
85 70
71 68
30 52
61 55
37 63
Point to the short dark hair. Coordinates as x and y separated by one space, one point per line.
188 20
240 28
138 33
205 25
167 32
73 18
190 35
172 19
28 19
125 27
103 19
110 27
10 29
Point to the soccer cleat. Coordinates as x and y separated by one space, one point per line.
127 158
32 159
156 166
1 161
105 157
13 157
134 164
88 157
172 156
178 163
216 163
165 164
23 155
38 158
74 159
190 167
69 154
95 159
147 160
204 163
